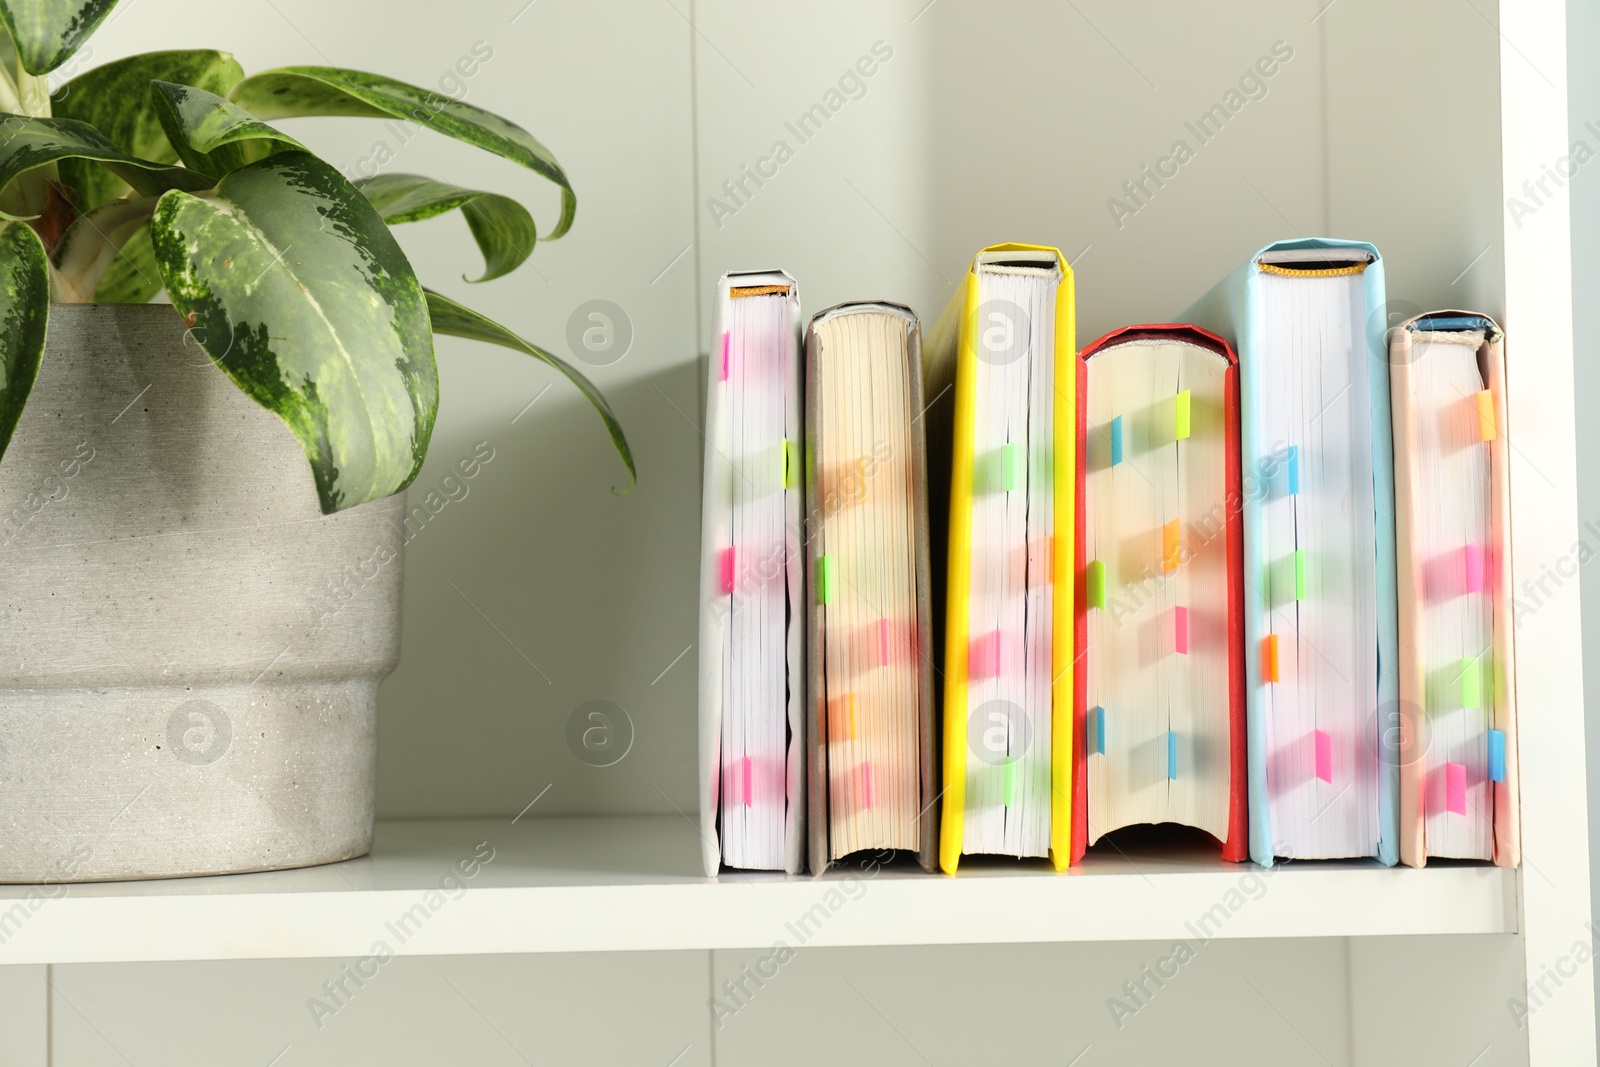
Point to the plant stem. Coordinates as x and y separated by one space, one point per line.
92 244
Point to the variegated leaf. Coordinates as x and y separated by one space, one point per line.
502 227
291 91
298 291
24 308
26 143
454 320
116 100
47 32
211 134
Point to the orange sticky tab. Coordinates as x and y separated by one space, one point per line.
1486 421
1041 560
1269 658
1170 550
842 718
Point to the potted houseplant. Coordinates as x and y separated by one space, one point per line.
202 505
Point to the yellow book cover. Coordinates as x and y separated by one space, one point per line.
1001 459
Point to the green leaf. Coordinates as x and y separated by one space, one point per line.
93 242
502 227
24 309
47 32
298 291
212 135
26 143
116 100
133 277
454 320
291 91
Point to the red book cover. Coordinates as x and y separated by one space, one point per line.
1235 842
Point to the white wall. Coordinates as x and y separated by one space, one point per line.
541 590
1583 40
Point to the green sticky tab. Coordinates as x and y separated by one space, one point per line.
1011 784
1095 582
824 579
1180 416
1010 467
788 464
1471 683
1299 574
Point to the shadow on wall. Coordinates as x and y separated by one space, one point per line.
534 562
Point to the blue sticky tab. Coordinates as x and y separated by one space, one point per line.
1172 755
1497 755
1100 730
1294 470
1116 440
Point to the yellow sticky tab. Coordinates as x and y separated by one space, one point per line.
1180 416
788 464
1171 549
1486 420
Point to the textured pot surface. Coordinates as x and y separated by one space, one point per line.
191 651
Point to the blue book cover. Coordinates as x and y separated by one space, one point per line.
1308 320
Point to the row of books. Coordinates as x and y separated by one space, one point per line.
996 595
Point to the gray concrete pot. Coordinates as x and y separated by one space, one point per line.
190 652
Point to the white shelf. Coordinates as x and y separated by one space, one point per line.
608 883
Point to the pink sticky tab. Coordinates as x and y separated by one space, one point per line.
1455 788
1180 631
1472 558
745 787
1324 756
866 785
983 656
885 640
724 357
725 566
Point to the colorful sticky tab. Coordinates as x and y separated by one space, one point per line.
1486 420
1010 467
983 656
1455 788
885 641
1172 755
1011 783
1100 730
724 357
1041 560
747 788
789 465
1294 470
1116 440
1180 416
1095 584
1180 631
1471 683
842 718
725 569
1170 547
824 579
866 784
1299 574
1324 744
1497 755
1472 564
1269 658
